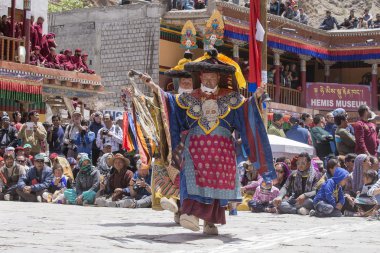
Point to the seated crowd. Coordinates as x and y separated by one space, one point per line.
290 9
342 179
83 163
79 164
43 48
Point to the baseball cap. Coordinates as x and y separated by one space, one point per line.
27 146
39 157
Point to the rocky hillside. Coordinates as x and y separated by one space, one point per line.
340 8
314 8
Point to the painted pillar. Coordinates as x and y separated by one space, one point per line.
328 64
277 75
374 91
304 59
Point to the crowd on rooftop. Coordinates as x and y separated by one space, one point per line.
44 47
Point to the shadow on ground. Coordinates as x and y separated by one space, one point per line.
147 224
178 238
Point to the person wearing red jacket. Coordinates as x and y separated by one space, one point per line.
365 132
36 58
51 60
65 60
38 31
85 67
76 59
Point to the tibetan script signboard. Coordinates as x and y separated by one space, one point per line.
329 96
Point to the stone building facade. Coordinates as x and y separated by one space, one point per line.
117 39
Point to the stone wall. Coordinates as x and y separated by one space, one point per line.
117 39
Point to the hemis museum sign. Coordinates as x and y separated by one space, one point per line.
329 96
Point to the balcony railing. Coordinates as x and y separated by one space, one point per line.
287 95
9 47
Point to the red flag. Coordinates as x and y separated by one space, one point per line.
254 78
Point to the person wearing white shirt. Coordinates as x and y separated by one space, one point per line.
110 133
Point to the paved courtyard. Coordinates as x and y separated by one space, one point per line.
35 227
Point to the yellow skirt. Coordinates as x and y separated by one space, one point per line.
244 204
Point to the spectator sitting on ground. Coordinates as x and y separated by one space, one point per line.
276 127
32 185
285 160
376 23
301 17
331 166
365 133
300 188
282 173
321 138
367 17
345 141
263 198
105 164
57 186
28 156
329 22
117 186
362 24
365 204
329 200
140 189
86 184
62 161
10 174
73 166
298 133
21 160
362 164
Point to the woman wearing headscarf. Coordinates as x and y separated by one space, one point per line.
86 184
361 164
117 186
282 172
105 164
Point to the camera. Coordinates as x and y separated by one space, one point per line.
105 131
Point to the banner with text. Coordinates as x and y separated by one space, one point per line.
329 96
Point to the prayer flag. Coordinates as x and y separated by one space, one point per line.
256 32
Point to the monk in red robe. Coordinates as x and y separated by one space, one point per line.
85 66
76 59
51 60
39 31
36 58
65 60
